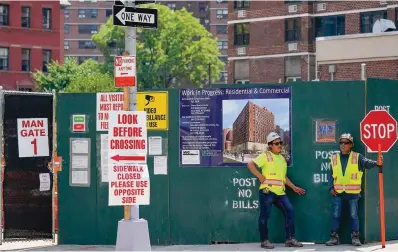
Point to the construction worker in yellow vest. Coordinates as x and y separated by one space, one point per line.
345 180
273 179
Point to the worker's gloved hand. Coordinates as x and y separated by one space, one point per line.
333 192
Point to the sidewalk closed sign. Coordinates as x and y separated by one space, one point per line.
155 104
128 172
33 137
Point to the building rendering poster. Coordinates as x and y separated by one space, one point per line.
229 126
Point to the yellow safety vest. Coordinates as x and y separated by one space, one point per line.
352 179
274 172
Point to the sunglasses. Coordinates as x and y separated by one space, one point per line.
278 143
343 143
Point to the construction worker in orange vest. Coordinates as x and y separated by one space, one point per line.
345 180
273 179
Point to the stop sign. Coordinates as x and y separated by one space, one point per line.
379 127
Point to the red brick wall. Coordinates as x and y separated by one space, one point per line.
387 69
267 70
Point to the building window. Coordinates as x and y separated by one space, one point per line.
66 13
4 58
202 6
88 29
25 57
25 17
329 26
81 59
66 44
369 18
4 14
222 45
292 29
108 13
87 13
171 6
222 29
87 44
46 59
222 13
25 89
46 18
66 28
223 76
292 68
241 34
241 4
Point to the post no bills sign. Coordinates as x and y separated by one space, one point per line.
155 104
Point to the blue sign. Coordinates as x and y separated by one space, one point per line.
229 126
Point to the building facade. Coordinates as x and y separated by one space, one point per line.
275 41
31 35
251 127
85 17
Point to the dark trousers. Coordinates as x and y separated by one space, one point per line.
283 203
337 207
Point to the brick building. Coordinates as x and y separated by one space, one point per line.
251 127
30 37
227 139
84 18
275 41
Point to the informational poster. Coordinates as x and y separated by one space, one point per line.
79 172
155 145
33 137
160 165
45 182
107 102
229 126
104 157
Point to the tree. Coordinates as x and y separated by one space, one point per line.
72 77
179 51
57 77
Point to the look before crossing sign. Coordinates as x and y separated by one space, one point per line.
128 172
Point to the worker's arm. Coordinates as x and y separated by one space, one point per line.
253 169
365 163
296 189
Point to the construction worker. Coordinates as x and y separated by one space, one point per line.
345 181
273 179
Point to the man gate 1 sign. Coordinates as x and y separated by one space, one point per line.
379 127
33 137
128 172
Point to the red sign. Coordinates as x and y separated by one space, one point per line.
379 127
125 71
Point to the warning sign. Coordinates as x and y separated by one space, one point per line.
107 102
128 185
155 104
33 137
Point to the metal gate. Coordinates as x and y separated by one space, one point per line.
27 205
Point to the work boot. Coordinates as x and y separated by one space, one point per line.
293 243
267 245
334 240
355 239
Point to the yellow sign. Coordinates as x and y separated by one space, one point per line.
156 105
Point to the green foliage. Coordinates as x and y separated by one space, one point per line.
179 52
72 77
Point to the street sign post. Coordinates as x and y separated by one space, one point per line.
379 133
135 17
125 71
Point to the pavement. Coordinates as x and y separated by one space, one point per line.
48 246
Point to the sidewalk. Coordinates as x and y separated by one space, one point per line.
47 246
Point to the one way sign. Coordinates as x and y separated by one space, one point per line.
135 17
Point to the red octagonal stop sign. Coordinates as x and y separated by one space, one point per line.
379 127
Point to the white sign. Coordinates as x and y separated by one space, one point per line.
125 71
107 102
127 137
136 17
45 182
129 185
104 157
33 137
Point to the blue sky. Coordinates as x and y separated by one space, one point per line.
280 108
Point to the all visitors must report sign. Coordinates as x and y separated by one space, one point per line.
127 150
33 137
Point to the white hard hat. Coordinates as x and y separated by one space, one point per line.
272 136
347 136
